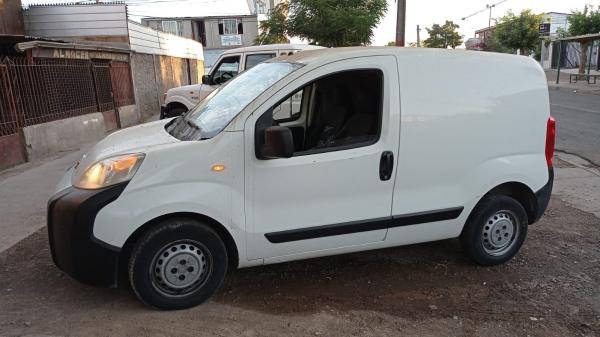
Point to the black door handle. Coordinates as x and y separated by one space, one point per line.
386 165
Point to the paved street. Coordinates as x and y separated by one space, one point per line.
578 123
551 288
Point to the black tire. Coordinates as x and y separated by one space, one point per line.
165 248
175 112
490 219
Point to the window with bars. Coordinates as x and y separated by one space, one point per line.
231 27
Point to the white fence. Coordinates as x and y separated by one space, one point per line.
149 41
64 21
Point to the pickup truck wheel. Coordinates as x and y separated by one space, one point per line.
178 264
495 231
175 112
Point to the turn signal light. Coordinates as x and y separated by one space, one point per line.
218 168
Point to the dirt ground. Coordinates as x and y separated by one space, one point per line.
551 288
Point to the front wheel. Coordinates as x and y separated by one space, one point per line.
178 264
495 231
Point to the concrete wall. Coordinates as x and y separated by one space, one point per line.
171 72
153 75
12 150
144 83
63 135
129 115
196 71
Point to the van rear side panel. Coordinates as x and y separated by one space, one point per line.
470 121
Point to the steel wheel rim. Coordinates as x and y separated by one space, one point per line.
181 267
500 233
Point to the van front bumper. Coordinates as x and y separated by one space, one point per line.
75 250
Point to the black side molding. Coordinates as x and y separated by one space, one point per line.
364 225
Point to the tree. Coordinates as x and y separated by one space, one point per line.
273 30
443 36
335 23
581 23
519 32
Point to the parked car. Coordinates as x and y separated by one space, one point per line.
230 63
377 155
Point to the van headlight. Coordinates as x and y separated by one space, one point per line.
109 171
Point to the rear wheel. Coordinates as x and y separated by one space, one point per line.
178 264
495 231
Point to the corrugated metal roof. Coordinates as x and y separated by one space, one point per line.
74 4
586 37
8 42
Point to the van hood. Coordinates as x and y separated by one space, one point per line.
134 139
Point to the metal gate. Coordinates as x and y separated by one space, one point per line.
52 89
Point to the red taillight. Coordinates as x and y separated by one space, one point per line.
550 139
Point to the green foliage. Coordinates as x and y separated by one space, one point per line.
561 32
584 22
335 23
391 44
443 36
273 30
492 44
518 32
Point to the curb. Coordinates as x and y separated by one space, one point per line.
554 86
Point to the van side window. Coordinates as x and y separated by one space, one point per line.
254 59
335 112
289 109
227 69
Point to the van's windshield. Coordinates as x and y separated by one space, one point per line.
213 114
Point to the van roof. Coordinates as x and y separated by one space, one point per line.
329 54
279 46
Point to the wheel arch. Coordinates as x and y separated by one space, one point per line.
176 104
230 245
518 191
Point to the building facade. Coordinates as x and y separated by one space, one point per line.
553 23
86 70
216 33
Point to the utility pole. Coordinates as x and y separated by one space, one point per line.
401 23
490 17
418 37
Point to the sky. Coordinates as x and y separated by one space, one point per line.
427 12
419 12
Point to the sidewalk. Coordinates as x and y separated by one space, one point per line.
24 192
581 86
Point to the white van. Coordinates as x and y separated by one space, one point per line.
230 64
390 146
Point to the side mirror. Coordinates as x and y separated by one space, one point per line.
206 79
279 143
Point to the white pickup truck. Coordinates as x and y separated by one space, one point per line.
230 64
